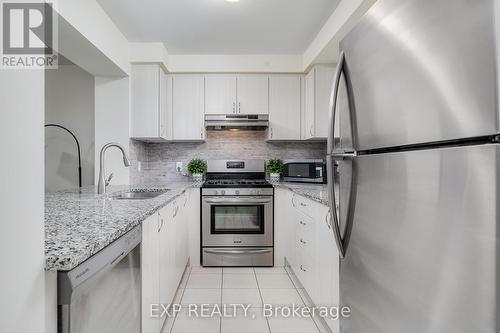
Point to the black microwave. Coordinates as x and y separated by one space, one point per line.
305 171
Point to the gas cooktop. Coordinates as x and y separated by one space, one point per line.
228 183
236 174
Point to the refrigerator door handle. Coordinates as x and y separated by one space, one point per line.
343 154
333 102
333 206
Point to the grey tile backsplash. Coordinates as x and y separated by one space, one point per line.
154 163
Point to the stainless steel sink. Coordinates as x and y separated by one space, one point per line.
136 195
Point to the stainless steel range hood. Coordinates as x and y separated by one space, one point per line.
256 122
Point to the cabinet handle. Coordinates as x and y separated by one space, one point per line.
302 268
234 107
302 241
311 131
201 133
303 204
176 210
271 132
160 222
239 107
293 200
327 220
303 223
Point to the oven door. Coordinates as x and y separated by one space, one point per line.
237 221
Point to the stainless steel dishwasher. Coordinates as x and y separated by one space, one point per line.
103 294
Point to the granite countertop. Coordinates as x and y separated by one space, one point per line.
80 223
316 192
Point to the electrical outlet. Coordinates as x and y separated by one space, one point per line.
178 166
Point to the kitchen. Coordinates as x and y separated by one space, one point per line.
249 166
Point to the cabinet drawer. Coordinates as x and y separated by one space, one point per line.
304 245
304 233
259 257
304 222
303 205
305 271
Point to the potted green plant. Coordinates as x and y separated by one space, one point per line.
196 168
274 168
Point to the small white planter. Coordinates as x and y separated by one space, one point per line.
274 177
198 177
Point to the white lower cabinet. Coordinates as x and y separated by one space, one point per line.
167 258
284 231
150 281
164 255
179 238
305 251
327 269
192 219
304 237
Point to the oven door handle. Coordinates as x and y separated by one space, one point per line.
237 251
238 200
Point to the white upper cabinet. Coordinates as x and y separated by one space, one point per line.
284 107
252 94
236 94
188 93
148 103
220 94
172 107
308 110
318 84
166 107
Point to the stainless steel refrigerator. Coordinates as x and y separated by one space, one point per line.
414 168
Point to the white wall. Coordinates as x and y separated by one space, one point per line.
69 101
22 236
112 105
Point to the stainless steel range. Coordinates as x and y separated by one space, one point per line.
237 215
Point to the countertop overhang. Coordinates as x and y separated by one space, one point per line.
80 223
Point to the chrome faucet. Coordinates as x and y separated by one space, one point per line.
101 186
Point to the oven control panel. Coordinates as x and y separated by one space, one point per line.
235 165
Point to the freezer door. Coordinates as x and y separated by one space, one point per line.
423 71
423 252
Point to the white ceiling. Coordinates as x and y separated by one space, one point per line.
221 27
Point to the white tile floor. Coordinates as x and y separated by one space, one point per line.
217 286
